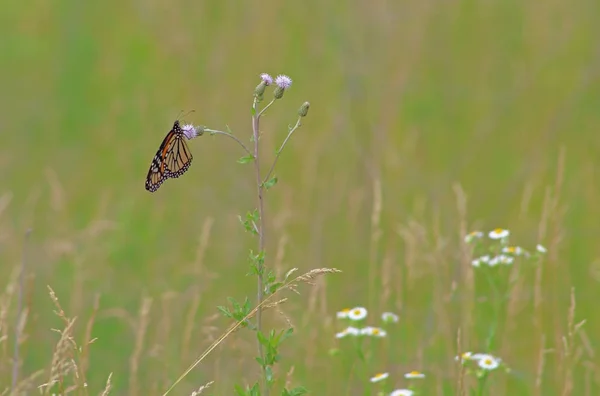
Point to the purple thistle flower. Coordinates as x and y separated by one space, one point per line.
283 81
191 131
268 80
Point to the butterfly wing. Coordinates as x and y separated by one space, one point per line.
178 158
172 159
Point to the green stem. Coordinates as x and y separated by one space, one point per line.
261 236
229 135
278 154
264 108
481 385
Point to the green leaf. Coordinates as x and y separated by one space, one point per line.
240 391
234 303
270 183
287 333
246 159
297 391
269 374
262 339
255 391
225 311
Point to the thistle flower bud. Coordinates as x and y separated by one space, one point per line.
260 89
303 111
266 78
278 93
190 131
283 82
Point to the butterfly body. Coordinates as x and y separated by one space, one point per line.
172 159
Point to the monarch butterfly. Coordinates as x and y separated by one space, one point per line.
172 159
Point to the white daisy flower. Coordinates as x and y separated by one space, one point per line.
516 250
499 233
414 374
541 248
464 357
483 259
373 331
488 362
379 377
402 392
378 332
343 314
366 331
471 236
494 261
357 313
389 317
348 331
504 259
353 331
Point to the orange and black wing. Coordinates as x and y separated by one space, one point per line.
172 159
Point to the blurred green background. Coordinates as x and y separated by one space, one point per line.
421 96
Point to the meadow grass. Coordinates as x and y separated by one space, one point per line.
428 120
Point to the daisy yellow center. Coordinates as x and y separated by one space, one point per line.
375 331
379 375
357 312
346 310
488 362
414 373
498 230
511 249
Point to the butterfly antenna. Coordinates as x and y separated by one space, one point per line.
179 116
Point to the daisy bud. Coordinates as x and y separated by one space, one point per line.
303 111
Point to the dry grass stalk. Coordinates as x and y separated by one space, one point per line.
202 246
5 201
108 386
140 336
570 355
280 253
27 384
63 362
202 389
190 319
467 287
288 377
84 357
540 366
376 234
5 303
460 380
63 359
